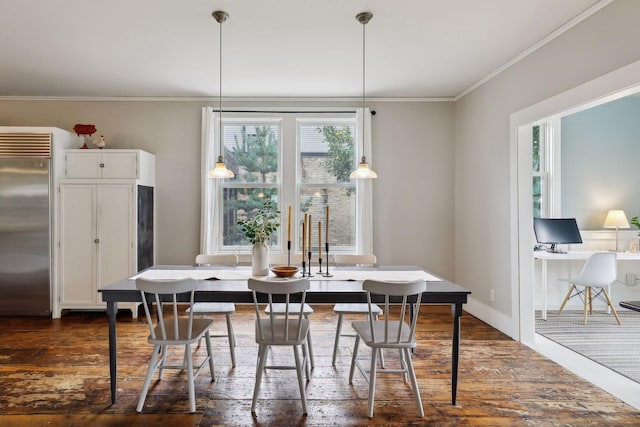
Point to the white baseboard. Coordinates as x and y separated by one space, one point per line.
505 324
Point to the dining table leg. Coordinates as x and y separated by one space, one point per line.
112 309
456 310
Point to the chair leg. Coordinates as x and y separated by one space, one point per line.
232 340
307 367
381 350
163 358
566 298
372 382
414 381
147 379
590 301
353 359
207 340
403 364
610 304
586 305
337 340
310 345
299 367
262 357
192 391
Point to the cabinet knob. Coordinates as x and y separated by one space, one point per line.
96 241
101 165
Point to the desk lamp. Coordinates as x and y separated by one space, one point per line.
616 219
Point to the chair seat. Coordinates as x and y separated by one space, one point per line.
356 308
280 308
199 327
363 328
214 307
273 334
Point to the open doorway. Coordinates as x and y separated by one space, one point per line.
618 84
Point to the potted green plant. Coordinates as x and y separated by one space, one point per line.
257 229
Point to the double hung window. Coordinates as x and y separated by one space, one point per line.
302 160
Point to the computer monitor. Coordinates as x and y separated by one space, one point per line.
555 231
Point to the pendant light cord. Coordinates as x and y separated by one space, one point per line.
220 95
363 82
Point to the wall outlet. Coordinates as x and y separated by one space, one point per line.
492 295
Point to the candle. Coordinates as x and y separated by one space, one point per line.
326 237
289 225
319 239
309 245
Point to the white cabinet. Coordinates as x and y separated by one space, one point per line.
105 226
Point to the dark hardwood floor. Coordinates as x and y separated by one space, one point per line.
55 373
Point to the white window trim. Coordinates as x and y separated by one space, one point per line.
209 222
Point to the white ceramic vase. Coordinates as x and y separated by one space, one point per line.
260 260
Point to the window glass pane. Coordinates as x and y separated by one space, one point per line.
252 151
537 157
326 153
342 218
538 205
237 204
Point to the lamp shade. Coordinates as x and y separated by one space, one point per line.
363 171
616 219
220 171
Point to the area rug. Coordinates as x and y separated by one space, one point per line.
601 339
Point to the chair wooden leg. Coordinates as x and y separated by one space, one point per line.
299 368
163 358
353 359
372 382
566 298
207 340
414 381
610 304
590 301
262 357
337 340
232 340
381 350
147 378
309 345
192 391
586 305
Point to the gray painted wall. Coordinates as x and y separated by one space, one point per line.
483 224
412 154
600 162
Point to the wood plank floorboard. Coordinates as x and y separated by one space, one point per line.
55 373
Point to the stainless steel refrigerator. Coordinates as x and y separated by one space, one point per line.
25 229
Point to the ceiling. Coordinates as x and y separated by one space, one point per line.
272 49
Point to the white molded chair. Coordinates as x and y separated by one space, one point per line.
599 272
175 330
272 330
389 334
213 308
353 308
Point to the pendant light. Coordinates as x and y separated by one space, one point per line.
363 171
220 171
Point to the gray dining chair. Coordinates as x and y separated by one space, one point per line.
272 330
173 331
203 309
397 334
342 309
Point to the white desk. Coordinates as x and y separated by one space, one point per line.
545 257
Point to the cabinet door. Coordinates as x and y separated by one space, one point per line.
77 245
115 232
83 165
119 165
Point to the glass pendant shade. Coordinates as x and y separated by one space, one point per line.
220 171
363 171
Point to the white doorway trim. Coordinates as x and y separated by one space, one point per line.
609 87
